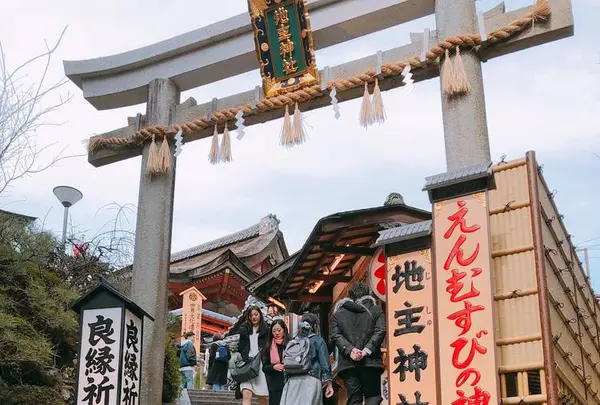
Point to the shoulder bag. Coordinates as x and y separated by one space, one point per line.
246 370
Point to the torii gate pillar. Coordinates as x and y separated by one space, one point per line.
150 280
465 121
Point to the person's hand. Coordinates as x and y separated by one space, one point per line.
329 390
356 355
279 367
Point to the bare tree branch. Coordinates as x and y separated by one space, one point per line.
22 112
109 250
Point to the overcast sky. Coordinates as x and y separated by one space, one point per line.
546 99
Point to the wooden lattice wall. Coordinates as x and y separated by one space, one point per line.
572 311
518 324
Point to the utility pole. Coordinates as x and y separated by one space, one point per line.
586 260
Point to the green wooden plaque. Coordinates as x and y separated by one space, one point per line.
284 45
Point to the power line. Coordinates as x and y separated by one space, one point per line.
589 240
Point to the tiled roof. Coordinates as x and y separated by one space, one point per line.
251 232
215 244
404 232
211 314
17 215
458 176
204 263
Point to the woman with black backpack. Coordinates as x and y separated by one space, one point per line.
272 359
218 364
307 366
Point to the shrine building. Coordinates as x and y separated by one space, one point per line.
533 316
221 268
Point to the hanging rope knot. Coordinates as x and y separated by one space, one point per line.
508 206
515 294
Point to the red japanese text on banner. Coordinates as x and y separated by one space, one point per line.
465 301
411 329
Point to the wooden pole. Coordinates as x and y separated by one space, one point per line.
551 380
465 122
151 260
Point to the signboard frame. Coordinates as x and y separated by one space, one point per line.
284 45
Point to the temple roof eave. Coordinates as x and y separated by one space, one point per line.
276 273
226 260
211 314
268 226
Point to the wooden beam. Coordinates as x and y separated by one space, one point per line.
347 250
560 26
331 279
226 49
314 298
225 282
323 260
370 218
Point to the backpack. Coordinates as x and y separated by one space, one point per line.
297 358
221 354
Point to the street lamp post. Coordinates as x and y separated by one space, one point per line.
67 196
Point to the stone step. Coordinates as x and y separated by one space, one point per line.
208 397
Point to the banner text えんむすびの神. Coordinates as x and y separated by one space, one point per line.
465 301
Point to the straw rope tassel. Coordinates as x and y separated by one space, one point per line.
461 81
448 75
164 155
365 110
213 155
226 146
287 132
299 130
377 108
153 162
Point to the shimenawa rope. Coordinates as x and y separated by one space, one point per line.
541 12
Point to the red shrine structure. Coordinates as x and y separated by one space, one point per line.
221 268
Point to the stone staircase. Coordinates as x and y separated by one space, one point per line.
208 397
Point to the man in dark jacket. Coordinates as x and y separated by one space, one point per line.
187 361
358 330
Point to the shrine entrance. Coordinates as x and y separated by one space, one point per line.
280 35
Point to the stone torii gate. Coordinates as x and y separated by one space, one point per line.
157 74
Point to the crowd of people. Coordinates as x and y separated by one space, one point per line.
282 370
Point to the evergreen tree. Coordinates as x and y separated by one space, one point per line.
38 332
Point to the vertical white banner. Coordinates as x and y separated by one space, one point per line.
132 360
99 357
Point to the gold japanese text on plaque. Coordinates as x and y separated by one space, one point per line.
284 45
